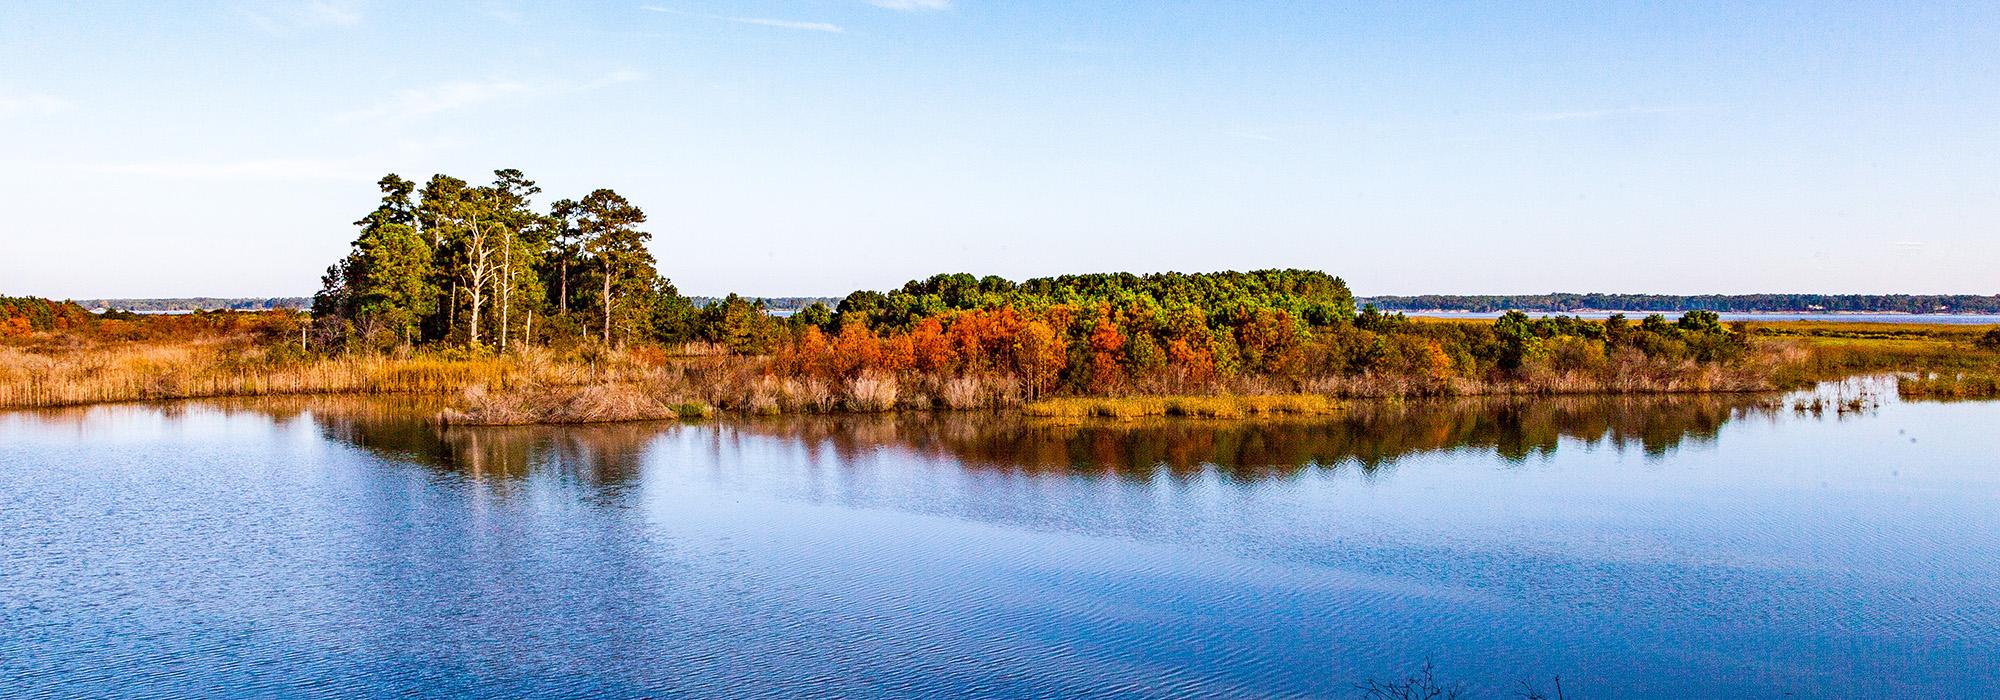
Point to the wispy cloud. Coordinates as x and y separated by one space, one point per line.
1604 113
414 103
285 16
759 21
357 168
33 103
912 5
263 168
1253 136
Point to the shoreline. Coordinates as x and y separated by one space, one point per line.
587 383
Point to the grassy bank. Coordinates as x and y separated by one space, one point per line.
649 382
206 369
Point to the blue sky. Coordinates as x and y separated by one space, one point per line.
819 146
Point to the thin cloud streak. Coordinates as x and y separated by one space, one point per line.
1254 136
33 103
365 167
912 5
280 18
413 103
758 21
1592 114
276 168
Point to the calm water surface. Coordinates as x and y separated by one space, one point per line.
1947 319
1639 548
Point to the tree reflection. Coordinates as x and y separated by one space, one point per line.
597 455
1367 435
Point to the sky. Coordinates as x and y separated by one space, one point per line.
814 147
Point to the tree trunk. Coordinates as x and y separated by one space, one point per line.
476 300
607 303
477 283
506 292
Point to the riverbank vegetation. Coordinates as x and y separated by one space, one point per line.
467 290
1934 386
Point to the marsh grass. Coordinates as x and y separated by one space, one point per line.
1949 387
591 384
597 403
115 372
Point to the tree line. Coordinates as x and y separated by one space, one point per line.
1274 329
456 263
1731 303
154 305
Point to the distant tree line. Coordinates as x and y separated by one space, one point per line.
154 305
1732 303
780 305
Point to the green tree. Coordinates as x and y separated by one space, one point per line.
565 245
610 230
397 289
385 282
524 240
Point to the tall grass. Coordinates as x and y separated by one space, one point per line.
541 386
202 369
1949 387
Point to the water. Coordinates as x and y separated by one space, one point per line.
1731 316
1638 548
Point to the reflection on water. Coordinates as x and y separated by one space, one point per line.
1691 546
1367 436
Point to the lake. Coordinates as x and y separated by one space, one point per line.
1641 547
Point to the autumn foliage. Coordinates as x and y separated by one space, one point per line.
1270 331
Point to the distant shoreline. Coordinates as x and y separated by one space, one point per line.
1947 318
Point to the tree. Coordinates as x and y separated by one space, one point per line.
816 315
524 240
385 282
480 237
1106 342
397 287
1039 356
609 226
566 244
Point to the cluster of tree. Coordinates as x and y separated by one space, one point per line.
1733 303
20 316
479 265
1111 333
1313 296
198 304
